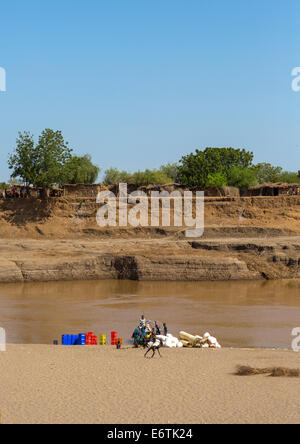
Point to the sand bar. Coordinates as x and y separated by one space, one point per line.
47 384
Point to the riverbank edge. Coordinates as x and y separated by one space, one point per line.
131 347
150 260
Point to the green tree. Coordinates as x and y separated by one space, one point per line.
150 177
289 177
41 165
80 169
241 177
139 178
113 176
216 180
22 162
170 171
195 168
267 173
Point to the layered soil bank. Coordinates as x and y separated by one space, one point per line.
148 260
244 239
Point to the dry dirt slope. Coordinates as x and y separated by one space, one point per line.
249 238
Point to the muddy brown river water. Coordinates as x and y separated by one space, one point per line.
240 314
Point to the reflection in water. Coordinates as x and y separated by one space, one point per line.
240 314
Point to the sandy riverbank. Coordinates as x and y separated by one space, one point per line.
46 384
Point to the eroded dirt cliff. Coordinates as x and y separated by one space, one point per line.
249 238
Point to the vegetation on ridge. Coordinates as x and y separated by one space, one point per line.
50 162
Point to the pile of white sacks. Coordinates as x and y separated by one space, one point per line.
207 341
187 340
170 341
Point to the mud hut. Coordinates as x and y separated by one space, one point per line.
82 190
169 187
273 189
56 192
222 192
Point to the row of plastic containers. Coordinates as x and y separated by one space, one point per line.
90 339
74 339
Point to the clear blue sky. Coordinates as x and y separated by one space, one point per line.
139 83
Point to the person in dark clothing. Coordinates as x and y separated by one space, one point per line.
157 328
143 321
143 331
153 335
165 329
153 346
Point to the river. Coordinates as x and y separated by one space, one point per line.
239 314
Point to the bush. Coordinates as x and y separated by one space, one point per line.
81 170
241 177
4 186
289 177
216 180
266 173
195 169
140 178
170 171
113 176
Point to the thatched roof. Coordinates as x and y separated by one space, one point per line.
74 185
275 185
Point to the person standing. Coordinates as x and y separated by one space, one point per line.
157 329
165 329
143 321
